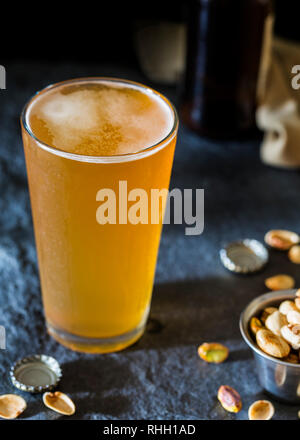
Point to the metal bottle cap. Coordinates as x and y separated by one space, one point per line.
244 256
36 373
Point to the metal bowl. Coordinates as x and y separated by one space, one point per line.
279 378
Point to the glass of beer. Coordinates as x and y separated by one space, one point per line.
91 146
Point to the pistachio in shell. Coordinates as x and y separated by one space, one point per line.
287 306
294 254
297 299
266 312
281 239
213 352
261 410
255 325
291 333
59 402
293 317
280 282
275 321
229 399
272 344
11 406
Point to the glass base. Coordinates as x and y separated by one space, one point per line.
96 345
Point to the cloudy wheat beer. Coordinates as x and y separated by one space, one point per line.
79 137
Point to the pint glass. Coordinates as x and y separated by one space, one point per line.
96 276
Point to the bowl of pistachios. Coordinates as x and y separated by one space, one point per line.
270 325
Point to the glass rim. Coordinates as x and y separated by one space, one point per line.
102 159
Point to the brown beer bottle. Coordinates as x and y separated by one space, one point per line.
227 45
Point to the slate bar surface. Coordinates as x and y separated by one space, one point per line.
195 299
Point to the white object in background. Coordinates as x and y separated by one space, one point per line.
278 113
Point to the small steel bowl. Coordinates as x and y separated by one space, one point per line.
278 378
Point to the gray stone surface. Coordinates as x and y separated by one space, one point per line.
195 299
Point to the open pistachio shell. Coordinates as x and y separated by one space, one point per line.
261 410
59 402
11 406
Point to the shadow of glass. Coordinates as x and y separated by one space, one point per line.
186 313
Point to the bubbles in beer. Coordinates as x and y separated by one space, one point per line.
100 119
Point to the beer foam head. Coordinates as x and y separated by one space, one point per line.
100 119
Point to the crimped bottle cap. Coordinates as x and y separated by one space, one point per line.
244 256
36 374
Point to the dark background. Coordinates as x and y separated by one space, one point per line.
96 32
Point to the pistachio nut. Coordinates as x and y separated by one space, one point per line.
272 344
213 352
281 239
287 306
229 399
266 312
280 282
275 321
291 333
59 402
255 325
293 317
297 299
294 254
261 410
11 406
